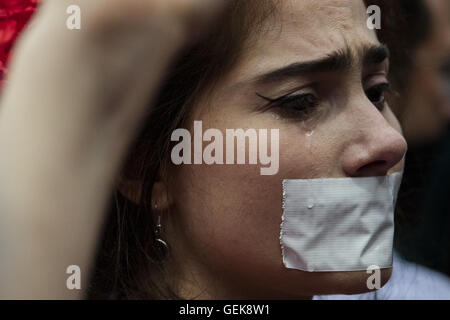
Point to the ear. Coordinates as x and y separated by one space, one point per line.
132 190
160 194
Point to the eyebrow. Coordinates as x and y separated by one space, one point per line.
339 60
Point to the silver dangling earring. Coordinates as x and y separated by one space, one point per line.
161 248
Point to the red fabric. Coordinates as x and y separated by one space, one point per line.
14 15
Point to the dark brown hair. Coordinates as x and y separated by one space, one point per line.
127 265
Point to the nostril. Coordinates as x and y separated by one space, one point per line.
375 168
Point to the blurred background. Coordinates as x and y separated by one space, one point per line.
420 67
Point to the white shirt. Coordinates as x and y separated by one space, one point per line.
409 281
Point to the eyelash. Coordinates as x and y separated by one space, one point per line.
301 105
378 90
292 106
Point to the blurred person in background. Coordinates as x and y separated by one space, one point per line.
421 75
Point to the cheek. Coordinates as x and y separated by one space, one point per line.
231 218
307 154
231 214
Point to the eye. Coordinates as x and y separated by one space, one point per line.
376 95
292 106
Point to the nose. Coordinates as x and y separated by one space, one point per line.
377 145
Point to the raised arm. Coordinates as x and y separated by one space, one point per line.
72 104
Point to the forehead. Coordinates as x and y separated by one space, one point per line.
317 25
304 30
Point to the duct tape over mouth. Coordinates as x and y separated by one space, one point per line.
339 224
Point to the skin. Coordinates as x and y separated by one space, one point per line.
65 128
53 194
223 222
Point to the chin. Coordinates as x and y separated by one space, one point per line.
348 282
354 282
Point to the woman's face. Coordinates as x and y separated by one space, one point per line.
225 219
